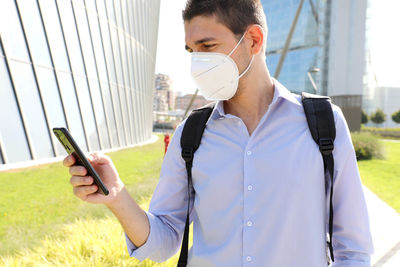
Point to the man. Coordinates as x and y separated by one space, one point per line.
258 176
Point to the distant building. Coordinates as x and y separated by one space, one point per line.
164 96
182 102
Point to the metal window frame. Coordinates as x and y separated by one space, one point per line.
22 116
116 76
44 109
98 76
54 68
88 146
86 74
133 86
123 68
4 158
108 73
128 61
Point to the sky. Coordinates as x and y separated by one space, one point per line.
172 58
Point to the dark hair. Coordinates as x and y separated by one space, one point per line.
237 15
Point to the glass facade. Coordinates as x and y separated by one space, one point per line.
309 45
87 65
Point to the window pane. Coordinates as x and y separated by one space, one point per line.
110 12
71 36
87 112
1 50
1 158
118 112
12 36
125 116
117 56
123 58
99 112
32 108
34 32
110 113
117 9
54 34
108 50
71 108
96 38
52 102
85 40
11 128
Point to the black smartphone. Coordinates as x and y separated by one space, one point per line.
71 147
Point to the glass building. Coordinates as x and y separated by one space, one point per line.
309 45
328 47
87 65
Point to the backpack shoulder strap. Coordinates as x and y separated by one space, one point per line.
190 142
318 110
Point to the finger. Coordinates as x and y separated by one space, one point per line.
79 180
99 158
83 191
77 170
69 161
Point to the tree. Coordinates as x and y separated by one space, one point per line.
364 117
396 116
378 117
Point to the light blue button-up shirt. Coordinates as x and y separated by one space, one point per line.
260 200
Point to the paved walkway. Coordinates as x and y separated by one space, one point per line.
385 229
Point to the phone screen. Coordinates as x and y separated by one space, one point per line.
72 148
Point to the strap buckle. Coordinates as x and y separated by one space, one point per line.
326 146
187 154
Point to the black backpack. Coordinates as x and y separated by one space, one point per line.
321 123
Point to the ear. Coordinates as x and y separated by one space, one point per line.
256 34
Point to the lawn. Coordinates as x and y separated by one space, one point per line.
43 224
383 176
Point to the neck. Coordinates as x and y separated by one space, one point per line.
255 93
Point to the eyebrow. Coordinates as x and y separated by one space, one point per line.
201 41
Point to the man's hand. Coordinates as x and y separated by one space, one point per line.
83 185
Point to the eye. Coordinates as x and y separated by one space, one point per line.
209 46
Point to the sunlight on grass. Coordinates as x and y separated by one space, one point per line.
383 176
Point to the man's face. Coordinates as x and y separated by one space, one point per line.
207 34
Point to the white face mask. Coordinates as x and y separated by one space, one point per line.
216 74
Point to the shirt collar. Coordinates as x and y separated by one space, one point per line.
280 92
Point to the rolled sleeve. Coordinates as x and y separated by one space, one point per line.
352 241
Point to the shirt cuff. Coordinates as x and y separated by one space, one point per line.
144 250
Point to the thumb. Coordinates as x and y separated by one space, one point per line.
98 158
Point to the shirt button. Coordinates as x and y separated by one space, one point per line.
249 223
248 153
248 258
250 187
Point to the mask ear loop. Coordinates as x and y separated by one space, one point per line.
247 69
241 39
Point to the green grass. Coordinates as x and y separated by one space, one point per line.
383 176
39 215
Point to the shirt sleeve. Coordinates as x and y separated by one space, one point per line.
168 208
352 241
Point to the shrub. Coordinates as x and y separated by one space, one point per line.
364 117
396 116
367 146
378 117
